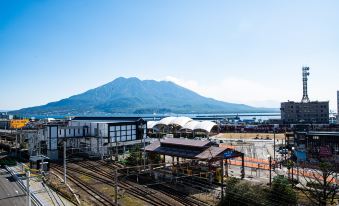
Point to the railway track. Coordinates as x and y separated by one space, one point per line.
133 190
142 191
199 184
178 196
154 194
95 194
138 192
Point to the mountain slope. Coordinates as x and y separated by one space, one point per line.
131 95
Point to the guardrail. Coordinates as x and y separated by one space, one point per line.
34 199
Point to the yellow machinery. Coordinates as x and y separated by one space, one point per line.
18 123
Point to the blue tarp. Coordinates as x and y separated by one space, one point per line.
301 155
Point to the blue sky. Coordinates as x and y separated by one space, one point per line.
237 51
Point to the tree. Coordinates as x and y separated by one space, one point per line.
135 156
240 193
281 192
318 183
154 158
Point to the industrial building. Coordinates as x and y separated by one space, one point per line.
5 115
310 112
91 136
4 124
313 146
306 111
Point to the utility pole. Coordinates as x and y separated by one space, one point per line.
144 155
16 143
102 148
222 179
28 174
274 144
116 187
297 165
270 168
65 161
116 147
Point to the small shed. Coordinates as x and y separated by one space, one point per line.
38 161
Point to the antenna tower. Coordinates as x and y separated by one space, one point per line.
306 73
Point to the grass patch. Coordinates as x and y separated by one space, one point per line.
85 178
130 201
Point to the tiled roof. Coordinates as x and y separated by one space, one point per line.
206 153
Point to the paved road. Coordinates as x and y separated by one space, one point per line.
10 192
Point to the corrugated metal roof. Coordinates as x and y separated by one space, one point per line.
323 133
203 154
186 142
211 153
108 118
38 157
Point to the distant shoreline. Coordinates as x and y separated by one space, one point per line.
241 115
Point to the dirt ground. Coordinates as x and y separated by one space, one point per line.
279 136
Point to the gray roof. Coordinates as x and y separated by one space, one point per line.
186 142
323 133
38 157
206 153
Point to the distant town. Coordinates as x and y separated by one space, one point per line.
289 157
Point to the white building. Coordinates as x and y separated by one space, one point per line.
182 126
94 136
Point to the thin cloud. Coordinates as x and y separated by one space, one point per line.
237 90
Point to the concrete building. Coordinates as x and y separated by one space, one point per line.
91 136
309 112
5 116
337 107
305 111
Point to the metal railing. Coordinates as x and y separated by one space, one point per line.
35 200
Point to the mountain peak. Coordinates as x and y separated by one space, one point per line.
126 79
132 95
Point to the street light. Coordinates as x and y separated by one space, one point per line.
28 175
270 168
297 164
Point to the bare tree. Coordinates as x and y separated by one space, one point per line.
319 183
